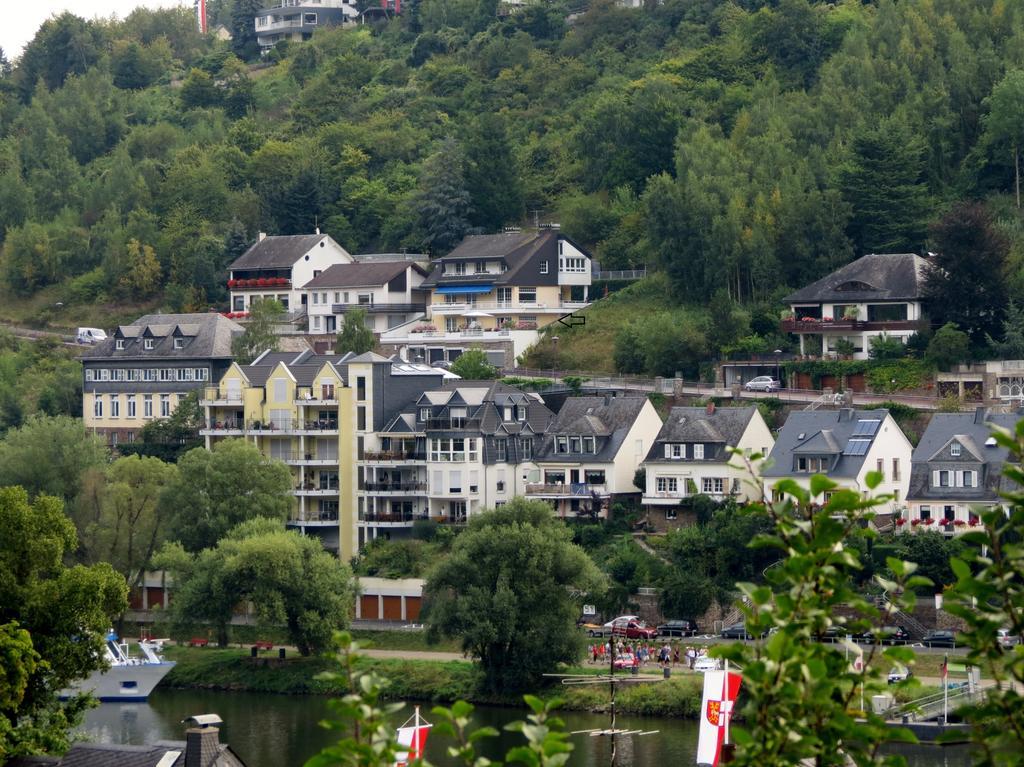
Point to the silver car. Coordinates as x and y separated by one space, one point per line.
762 383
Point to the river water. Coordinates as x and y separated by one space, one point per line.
283 731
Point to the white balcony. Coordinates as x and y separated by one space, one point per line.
495 306
308 459
567 490
316 492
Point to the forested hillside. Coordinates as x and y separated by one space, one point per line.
740 147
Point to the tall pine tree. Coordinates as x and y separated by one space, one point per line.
443 202
492 177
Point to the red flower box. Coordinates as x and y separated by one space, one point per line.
959 523
231 283
901 522
914 522
974 522
261 282
283 280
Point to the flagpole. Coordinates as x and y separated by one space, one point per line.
945 690
725 697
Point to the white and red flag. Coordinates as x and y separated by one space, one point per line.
413 736
720 691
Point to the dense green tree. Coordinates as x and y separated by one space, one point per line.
243 28
289 579
505 591
1004 123
970 250
354 336
473 365
259 335
443 202
948 346
492 177
199 90
64 45
215 490
882 182
51 456
66 612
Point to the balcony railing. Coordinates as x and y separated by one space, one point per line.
396 487
270 427
314 517
447 520
569 490
482 334
309 459
376 308
314 489
814 325
259 283
394 456
403 518
212 397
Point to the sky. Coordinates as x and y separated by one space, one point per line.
22 18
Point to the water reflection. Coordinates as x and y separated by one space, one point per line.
283 731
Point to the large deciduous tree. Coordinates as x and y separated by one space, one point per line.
473 365
66 612
259 335
970 251
354 336
506 591
50 455
1004 123
289 578
215 490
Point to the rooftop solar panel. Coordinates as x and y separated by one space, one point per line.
866 427
857 447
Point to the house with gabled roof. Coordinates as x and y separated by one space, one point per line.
844 445
279 267
590 453
692 455
957 469
143 370
388 291
878 294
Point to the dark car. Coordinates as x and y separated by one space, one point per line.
886 635
678 629
736 631
939 639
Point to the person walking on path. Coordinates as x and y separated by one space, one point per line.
675 654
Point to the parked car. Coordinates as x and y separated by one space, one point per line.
899 673
632 628
707 664
90 336
594 629
623 660
736 631
678 629
763 383
887 635
939 638
1007 639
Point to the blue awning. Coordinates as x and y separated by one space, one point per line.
452 290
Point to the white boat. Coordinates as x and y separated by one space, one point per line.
128 678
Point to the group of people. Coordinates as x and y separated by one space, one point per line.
641 654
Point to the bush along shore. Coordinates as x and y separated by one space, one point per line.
420 680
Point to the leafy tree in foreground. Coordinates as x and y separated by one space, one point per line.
66 612
259 335
355 337
50 455
505 591
474 366
215 490
970 251
289 578
800 694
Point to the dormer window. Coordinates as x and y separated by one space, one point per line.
509 412
954 450
119 343
561 444
698 452
589 445
575 445
675 451
460 268
424 413
147 344
543 267
179 343
481 267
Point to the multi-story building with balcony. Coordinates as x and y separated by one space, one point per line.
845 445
143 370
297 20
957 469
590 453
872 296
455 451
279 267
314 412
388 291
694 455
495 291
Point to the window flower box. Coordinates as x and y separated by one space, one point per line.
915 522
232 283
959 523
901 522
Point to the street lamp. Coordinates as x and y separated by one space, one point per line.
778 376
554 373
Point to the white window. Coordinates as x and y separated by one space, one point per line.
179 343
526 448
455 482
667 484
954 450
575 445
968 479
460 268
713 485
280 449
150 374
166 374
543 267
698 452
119 343
527 295
97 407
942 478
474 481
131 405
501 450
424 413
316 321
165 405
589 445
147 343
89 374
316 298
280 390
147 406
115 406
561 444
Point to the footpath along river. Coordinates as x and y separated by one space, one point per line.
283 731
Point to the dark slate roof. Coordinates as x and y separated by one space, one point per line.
207 335
823 433
110 755
361 275
277 252
875 277
716 431
303 366
608 419
972 431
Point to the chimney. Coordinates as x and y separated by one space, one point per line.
710 409
318 230
262 236
845 414
979 414
202 741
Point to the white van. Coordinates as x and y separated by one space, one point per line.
90 336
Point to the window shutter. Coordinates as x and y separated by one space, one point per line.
668 450
935 479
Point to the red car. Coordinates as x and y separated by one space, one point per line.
633 629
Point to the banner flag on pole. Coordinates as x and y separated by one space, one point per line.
413 736
720 691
